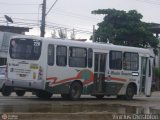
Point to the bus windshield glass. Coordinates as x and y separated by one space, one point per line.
27 49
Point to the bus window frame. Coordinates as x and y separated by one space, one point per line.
13 47
71 57
111 60
90 58
53 48
66 50
129 62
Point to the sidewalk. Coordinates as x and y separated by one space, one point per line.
156 93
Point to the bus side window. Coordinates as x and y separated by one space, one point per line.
50 54
115 60
77 57
90 57
61 56
130 61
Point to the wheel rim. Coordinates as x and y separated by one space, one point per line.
130 93
75 91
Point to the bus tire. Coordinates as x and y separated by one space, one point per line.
75 91
65 96
43 94
148 95
99 96
20 92
6 91
129 92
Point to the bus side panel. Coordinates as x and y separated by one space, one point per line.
129 79
59 79
112 88
62 88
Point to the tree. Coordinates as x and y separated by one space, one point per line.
62 33
53 34
124 28
72 35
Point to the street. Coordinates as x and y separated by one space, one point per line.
30 107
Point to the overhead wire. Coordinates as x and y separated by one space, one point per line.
149 2
74 14
51 7
49 25
17 4
67 26
17 13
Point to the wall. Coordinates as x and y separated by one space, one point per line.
4 43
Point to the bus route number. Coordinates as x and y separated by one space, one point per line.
36 43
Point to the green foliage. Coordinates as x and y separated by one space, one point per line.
157 72
62 34
124 28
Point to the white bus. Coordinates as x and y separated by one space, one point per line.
71 68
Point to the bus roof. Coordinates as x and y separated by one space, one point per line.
94 45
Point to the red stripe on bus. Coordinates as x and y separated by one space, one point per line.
116 79
54 79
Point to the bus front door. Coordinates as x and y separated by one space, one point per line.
99 72
148 84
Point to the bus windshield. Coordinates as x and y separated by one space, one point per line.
27 49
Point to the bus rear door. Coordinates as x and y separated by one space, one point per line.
99 72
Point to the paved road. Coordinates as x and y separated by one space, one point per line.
30 107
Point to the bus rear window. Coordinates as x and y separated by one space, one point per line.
27 49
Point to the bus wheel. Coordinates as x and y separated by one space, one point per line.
65 96
6 91
20 92
129 92
75 91
99 96
43 94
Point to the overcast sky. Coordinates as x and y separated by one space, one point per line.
74 13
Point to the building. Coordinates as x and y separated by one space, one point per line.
6 32
155 28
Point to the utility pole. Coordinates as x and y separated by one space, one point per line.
93 33
44 14
43 21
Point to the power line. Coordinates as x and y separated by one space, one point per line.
18 13
68 29
52 26
78 17
66 26
149 2
48 22
51 7
74 14
17 4
23 19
